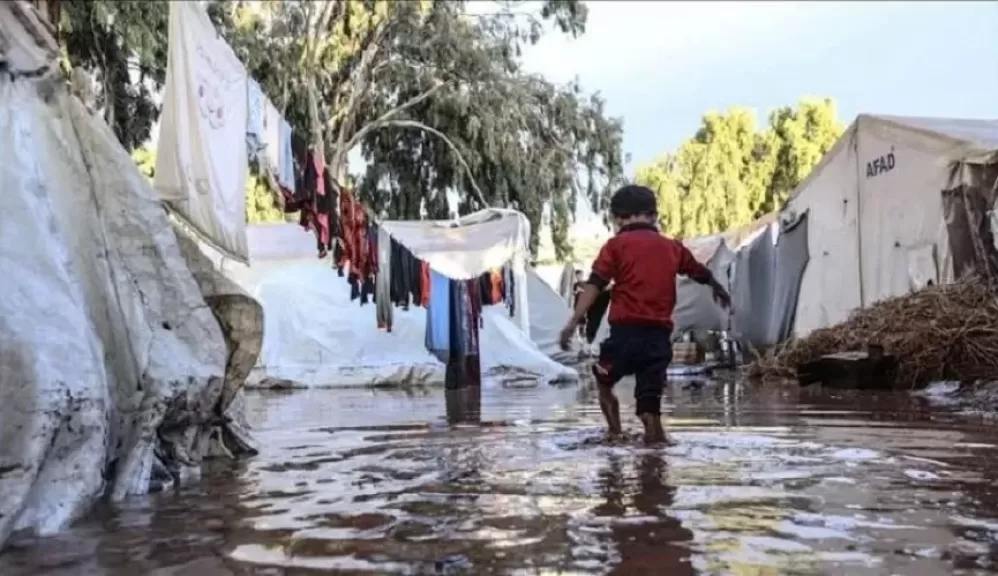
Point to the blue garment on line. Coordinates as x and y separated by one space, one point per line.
438 312
461 342
285 159
254 117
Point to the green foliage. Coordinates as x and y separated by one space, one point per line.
260 203
436 100
433 96
730 173
145 159
122 43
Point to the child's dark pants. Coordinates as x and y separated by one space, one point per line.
642 351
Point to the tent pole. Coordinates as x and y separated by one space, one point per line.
859 216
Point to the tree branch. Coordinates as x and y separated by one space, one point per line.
367 129
359 85
479 196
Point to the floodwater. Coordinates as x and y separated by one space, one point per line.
758 481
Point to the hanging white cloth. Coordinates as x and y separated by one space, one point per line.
468 247
201 161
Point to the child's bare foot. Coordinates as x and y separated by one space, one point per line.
615 437
654 432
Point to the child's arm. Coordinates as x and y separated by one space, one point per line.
688 266
603 271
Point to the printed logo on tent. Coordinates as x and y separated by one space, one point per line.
880 165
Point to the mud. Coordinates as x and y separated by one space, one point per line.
756 481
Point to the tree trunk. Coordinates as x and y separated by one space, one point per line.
50 10
315 125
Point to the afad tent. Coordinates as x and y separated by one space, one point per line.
109 357
897 203
314 335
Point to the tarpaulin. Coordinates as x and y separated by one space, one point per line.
201 161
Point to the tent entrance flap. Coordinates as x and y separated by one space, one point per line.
968 210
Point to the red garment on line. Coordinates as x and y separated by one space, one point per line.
354 237
424 284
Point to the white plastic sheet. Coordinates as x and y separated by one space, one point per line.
201 162
104 335
315 336
548 315
468 247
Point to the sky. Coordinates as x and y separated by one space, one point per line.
662 65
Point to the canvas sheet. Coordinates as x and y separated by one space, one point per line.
468 247
105 338
201 162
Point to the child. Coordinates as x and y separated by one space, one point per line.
643 265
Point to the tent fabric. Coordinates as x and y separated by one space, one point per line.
466 248
752 296
548 315
202 161
105 339
791 260
696 308
316 336
239 316
875 205
566 284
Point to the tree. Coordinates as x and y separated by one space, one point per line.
803 136
729 173
122 44
434 96
436 100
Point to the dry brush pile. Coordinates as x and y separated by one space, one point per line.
939 333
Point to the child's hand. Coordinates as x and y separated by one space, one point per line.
722 297
566 336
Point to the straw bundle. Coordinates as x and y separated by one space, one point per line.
939 333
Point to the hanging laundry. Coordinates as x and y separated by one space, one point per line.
510 286
483 286
369 267
414 282
405 276
285 157
464 364
254 119
496 285
272 135
473 362
383 281
356 244
438 316
424 284
460 319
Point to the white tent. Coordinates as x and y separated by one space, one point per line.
108 353
314 335
549 313
880 212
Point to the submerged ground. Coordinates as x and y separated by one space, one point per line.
759 481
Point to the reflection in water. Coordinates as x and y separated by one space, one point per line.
464 405
757 481
647 540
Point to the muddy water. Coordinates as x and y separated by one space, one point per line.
771 481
